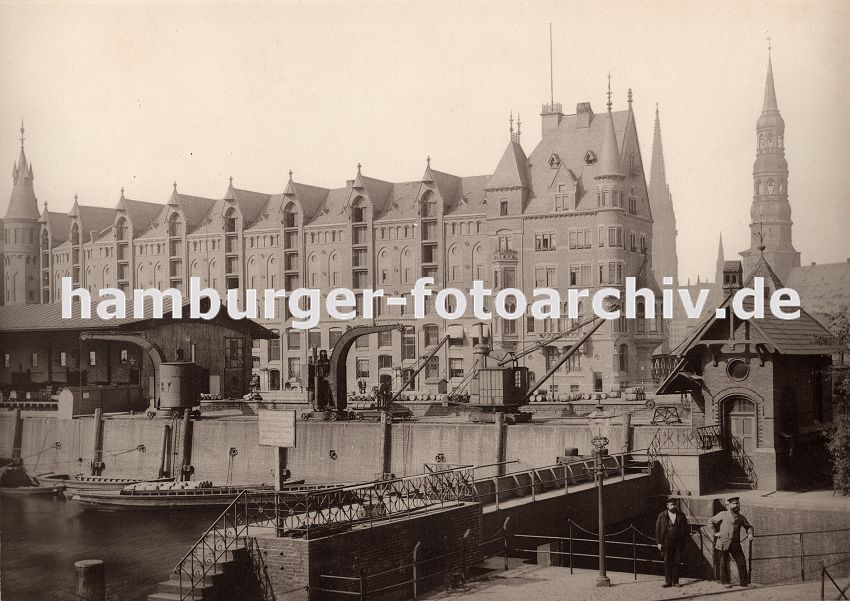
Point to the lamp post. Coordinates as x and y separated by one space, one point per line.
600 422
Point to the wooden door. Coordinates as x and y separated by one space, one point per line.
741 423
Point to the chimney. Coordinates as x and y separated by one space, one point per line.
813 263
349 183
733 276
584 115
550 117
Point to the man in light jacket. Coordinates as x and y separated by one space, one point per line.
671 536
727 539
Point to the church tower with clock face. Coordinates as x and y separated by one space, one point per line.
770 215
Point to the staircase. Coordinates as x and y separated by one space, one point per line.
230 578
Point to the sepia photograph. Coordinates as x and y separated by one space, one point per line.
389 300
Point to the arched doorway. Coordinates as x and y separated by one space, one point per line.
739 423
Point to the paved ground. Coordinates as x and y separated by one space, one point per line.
530 583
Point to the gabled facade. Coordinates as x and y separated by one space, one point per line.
765 383
573 213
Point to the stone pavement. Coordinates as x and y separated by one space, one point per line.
526 582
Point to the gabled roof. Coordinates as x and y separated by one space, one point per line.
571 142
58 223
140 213
251 204
377 190
512 170
470 197
92 219
48 316
824 289
310 198
801 336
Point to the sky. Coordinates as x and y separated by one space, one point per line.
142 95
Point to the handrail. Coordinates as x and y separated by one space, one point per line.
824 574
206 563
743 459
450 562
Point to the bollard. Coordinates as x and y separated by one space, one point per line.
17 436
501 436
91 581
186 455
164 467
97 444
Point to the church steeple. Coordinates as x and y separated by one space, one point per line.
665 261
770 213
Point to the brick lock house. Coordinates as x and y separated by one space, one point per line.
764 384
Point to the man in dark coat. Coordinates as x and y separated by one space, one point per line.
727 539
671 536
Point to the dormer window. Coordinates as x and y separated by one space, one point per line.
562 198
554 161
589 157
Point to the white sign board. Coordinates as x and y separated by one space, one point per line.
276 428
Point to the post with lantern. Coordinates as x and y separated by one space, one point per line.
600 422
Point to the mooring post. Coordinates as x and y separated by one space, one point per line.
17 436
91 581
627 430
387 439
97 444
186 455
501 436
164 468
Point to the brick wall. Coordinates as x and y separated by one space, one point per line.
295 564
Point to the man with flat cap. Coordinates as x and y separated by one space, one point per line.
671 536
727 536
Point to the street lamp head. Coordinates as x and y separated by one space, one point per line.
600 423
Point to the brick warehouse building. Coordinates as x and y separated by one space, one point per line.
575 212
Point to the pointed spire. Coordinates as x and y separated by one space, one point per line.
23 203
609 155
658 190
720 255
769 90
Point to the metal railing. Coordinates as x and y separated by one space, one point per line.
709 437
532 482
226 533
414 574
311 511
802 553
258 568
740 456
630 533
824 574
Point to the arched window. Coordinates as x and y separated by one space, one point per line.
358 210
429 205
770 186
640 312
175 225
290 215
334 269
230 225
604 197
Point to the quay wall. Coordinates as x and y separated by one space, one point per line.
132 447
294 564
